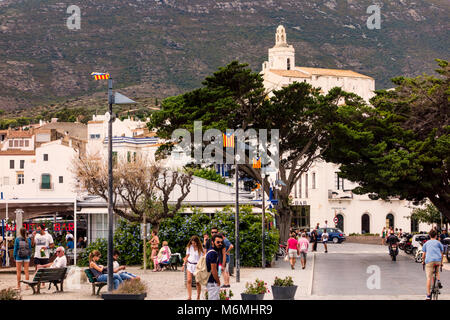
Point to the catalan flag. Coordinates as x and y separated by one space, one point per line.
257 163
100 75
228 140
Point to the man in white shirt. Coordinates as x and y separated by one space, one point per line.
42 241
60 261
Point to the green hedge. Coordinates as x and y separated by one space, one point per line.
127 239
178 230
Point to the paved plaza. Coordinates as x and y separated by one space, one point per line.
342 273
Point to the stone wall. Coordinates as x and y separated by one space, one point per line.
364 239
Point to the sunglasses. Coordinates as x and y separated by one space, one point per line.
219 242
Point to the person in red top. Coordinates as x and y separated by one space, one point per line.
292 245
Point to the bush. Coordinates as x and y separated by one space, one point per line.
286 282
100 245
258 287
128 241
178 230
10 294
132 286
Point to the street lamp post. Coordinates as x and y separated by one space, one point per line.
236 226
113 98
262 219
110 190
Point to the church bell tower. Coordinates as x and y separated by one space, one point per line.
282 55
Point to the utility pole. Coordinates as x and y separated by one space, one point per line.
110 189
262 219
236 225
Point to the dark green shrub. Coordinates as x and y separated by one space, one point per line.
128 241
100 245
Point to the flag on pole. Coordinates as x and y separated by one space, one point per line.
100 75
257 163
228 140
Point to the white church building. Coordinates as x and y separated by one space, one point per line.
320 194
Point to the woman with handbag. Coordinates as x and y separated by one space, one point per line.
194 251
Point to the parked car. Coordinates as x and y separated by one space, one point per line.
417 242
334 234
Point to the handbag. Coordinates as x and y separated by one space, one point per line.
286 258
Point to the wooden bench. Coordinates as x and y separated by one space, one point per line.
54 276
94 282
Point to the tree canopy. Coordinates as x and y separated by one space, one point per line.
400 147
234 97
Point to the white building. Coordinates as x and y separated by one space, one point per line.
320 194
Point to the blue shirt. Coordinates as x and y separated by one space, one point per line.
212 256
16 248
433 250
227 244
70 244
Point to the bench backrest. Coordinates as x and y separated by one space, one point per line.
50 274
90 275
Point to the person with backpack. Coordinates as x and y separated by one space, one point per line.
303 245
209 269
22 255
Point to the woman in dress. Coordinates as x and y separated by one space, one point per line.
194 251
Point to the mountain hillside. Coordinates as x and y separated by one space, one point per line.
165 47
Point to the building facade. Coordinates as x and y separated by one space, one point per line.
320 194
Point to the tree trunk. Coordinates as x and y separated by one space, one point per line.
285 215
442 205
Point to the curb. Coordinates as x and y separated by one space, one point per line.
312 275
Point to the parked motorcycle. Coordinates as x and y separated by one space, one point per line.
407 243
393 251
418 252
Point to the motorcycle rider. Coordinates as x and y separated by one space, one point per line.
391 240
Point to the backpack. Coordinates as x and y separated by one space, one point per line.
24 249
201 271
304 246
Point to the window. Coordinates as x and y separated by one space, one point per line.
134 156
16 143
314 180
45 181
289 64
11 164
94 136
339 182
114 157
300 186
45 157
20 178
129 156
22 164
306 185
21 143
27 143
61 179
11 143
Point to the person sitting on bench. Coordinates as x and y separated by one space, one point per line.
163 255
120 269
60 261
99 271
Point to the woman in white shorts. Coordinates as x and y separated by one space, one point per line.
194 251
292 245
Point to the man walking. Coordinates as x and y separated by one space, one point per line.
212 265
314 237
433 253
42 241
226 271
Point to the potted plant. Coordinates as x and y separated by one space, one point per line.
283 289
133 289
223 295
255 291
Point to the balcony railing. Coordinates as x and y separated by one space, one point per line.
46 186
340 194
